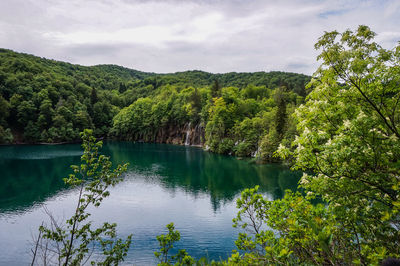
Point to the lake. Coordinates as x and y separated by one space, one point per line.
164 183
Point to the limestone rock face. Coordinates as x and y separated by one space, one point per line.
184 135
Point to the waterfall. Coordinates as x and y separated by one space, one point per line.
187 140
256 153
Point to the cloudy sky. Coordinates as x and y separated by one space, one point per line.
176 35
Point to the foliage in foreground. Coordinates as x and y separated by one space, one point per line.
73 243
166 244
291 231
350 137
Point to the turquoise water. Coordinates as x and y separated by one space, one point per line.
165 183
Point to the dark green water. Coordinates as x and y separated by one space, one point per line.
165 183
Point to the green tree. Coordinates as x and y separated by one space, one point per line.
289 231
46 112
93 96
269 144
26 113
82 120
220 120
31 132
195 100
350 138
4 111
166 243
5 135
71 244
281 115
215 89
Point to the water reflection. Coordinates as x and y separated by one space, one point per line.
30 174
165 183
222 177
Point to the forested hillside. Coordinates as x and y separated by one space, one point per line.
44 100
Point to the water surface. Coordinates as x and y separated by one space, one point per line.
165 183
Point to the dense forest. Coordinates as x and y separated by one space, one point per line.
244 114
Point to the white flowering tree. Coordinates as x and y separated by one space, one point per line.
350 138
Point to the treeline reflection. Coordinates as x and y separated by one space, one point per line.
31 174
196 171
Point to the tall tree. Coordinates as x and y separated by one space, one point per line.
93 96
350 137
216 89
281 116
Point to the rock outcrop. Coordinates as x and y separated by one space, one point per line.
183 135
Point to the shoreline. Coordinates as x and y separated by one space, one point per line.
99 139
39 143
204 148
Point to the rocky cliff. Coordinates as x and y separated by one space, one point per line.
183 135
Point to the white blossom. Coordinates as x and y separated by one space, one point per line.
346 123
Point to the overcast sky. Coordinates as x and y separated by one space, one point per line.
176 35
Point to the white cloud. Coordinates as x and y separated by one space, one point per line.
174 35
